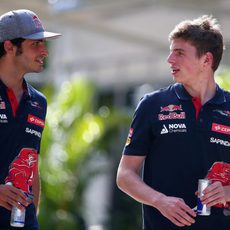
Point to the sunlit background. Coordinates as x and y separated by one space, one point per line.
110 54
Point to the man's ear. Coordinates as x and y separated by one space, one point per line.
208 58
8 46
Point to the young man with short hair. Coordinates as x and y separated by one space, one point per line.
178 133
22 113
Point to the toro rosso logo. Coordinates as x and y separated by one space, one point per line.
22 169
224 113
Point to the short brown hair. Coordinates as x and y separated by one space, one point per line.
204 34
16 42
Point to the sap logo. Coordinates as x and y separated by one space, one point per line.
33 132
219 141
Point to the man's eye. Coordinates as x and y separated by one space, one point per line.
36 43
179 53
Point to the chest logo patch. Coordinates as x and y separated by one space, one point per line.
3 118
174 128
171 108
129 136
171 112
2 105
221 128
222 112
35 120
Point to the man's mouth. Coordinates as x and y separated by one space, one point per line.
40 60
174 70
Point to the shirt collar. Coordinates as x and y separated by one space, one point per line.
27 91
182 94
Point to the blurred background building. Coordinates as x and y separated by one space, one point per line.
118 43
121 46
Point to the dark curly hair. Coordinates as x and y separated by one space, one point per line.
17 42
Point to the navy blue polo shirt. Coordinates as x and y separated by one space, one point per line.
21 127
180 143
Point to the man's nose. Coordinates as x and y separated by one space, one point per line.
170 58
45 52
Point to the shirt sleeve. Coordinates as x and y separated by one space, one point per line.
140 135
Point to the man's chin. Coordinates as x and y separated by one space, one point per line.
177 79
39 70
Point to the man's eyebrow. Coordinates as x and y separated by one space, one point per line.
38 40
177 49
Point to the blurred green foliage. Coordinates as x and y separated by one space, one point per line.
223 78
77 128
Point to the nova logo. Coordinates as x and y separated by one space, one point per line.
174 128
3 118
177 126
164 130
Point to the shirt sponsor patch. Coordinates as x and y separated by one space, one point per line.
2 105
35 120
171 108
221 128
35 104
171 112
222 112
219 141
171 116
3 118
174 128
129 136
33 132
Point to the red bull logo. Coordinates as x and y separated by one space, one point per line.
171 108
172 116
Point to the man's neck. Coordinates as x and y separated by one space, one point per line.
15 84
203 91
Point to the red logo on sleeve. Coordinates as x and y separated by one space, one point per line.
36 120
221 128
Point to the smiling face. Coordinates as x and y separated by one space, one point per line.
30 57
186 66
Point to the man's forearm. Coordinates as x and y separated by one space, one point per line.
132 184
